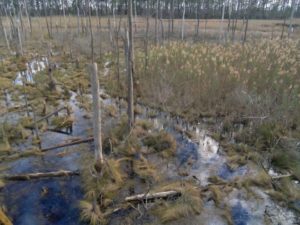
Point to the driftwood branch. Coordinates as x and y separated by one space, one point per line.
30 176
90 139
152 196
281 176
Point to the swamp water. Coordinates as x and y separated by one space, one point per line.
55 200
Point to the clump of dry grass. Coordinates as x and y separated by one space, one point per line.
161 142
145 170
60 122
188 204
91 213
111 110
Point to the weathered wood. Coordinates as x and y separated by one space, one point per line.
62 145
130 67
152 196
4 219
96 113
30 176
281 176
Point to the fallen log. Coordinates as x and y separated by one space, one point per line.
30 176
281 176
90 139
152 196
4 220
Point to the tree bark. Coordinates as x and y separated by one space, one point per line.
130 70
182 23
96 114
293 6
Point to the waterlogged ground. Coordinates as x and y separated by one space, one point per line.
55 200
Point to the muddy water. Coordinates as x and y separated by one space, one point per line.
55 201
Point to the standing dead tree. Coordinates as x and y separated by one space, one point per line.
293 8
96 115
183 20
130 70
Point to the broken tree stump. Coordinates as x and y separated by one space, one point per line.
152 196
30 176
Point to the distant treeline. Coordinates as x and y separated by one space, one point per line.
194 9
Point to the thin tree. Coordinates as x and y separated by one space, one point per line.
130 67
222 22
96 103
293 8
183 20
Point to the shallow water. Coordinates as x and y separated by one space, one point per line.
55 200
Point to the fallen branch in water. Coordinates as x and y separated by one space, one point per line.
31 176
281 176
152 196
90 139
51 114
4 219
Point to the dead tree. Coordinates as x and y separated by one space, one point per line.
183 19
222 23
96 114
130 67
293 6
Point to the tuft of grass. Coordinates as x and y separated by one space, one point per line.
161 142
60 122
188 204
217 194
286 159
91 213
146 125
111 110
145 170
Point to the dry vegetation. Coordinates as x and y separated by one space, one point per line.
256 84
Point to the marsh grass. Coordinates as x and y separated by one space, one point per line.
188 204
161 142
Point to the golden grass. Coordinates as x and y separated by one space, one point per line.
188 204
91 213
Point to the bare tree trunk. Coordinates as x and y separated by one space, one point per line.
47 23
96 114
222 23
64 13
20 50
78 17
246 29
6 39
130 68
172 15
156 22
28 16
135 17
91 32
147 36
198 19
183 18
161 26
293 6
